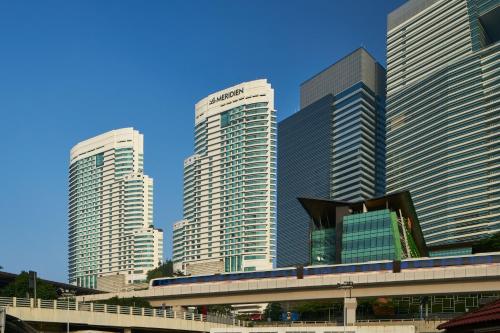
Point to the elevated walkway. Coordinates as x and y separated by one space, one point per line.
103 316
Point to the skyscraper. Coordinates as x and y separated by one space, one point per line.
111 210
443 112
333 148
229 184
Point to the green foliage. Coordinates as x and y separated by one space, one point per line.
383 301
220 309
315 306
131 301
244 316
273 311
316 310
491 244
164 270
19 288
367 301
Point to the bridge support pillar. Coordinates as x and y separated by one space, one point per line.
350 310
127 330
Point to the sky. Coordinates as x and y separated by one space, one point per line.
70 70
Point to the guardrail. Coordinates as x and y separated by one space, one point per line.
296 323
405 320
71 305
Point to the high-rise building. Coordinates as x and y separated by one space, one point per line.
334 147
443 117
229 184
111 210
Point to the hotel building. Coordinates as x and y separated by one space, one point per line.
111 210
443 117
229 184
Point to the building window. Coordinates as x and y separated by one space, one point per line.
224 119
99 160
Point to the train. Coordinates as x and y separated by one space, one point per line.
301 272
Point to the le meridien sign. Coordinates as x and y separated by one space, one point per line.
227 95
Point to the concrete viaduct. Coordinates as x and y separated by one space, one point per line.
423 281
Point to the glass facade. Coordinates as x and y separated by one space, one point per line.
442 116
384 228
85 228
323 246
303 165
358 144
334 147
370 236
451 252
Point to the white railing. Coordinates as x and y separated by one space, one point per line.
71 305
297 323
405 320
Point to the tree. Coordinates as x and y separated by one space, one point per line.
131 301
273 311
19 288
383 306
220 309
491 244
317 310
164 270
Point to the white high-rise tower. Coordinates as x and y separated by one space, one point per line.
230 184
111 210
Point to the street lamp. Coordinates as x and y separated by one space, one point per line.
66 293
346 285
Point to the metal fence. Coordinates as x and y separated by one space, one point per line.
296 323
71 305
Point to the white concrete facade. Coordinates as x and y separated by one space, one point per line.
230 184
111 210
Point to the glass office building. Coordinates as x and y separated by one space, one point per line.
443 111
334 147
376 235
384 228
230 184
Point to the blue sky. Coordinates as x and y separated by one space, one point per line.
70 70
